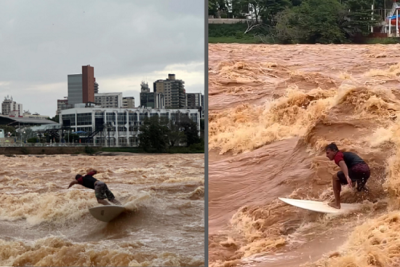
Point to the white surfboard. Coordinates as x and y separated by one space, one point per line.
319 206
106 213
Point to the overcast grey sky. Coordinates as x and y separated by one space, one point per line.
126 41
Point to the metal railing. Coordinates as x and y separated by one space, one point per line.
63 145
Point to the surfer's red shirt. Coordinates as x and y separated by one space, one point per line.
338 157
80 179
349 158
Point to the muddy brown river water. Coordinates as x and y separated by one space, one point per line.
272 110
42 223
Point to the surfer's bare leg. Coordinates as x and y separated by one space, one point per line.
103 201
337 187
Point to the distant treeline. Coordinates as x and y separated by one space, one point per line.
297 21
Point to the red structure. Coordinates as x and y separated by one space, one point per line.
87 84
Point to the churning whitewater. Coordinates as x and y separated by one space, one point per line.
272 111
42 223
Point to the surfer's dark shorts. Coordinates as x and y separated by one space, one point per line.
102 192
358 173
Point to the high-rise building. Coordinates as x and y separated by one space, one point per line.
109 100
87 84
159 100
20 110
81 86
96 87
147 100
158 86
10 107
128 102
75 95
194 100
146 97
63 104
151 99
173 90
144 87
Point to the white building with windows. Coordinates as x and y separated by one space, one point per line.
118 127
11 108
108 100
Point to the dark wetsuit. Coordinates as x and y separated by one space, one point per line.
88 180
100 188
358 170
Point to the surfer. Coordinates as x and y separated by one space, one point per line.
353 170
100 188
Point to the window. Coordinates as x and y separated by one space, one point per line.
110 117
142 116
70 117
121 118
132 118
193 117
84 119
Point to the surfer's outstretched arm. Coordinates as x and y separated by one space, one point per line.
72 183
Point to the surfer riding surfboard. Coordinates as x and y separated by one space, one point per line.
100 188
354 171
103 213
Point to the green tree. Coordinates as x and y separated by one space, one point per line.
257 6
189 129
358 19
202 129
313 21
271 9
217 7
175 135
8 129
55 118
33 140
296 2
153 134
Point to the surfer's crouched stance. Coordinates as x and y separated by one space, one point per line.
353 169
100 188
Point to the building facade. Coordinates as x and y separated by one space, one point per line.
128 102
173 90
149 99
81 87
194 100
109 100
19 111
75 95
87 84
10 107
152 100
62 104
119 127
96 87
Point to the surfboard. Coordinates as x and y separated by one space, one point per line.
319 206
106 213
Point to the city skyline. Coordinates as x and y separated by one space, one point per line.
125 42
